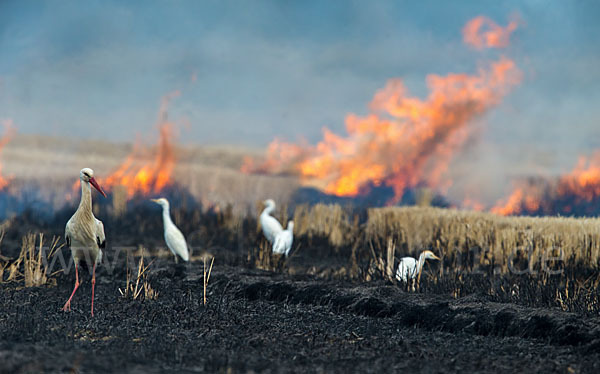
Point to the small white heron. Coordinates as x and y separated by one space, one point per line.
410 268
84 233
283 240
270 226
174 238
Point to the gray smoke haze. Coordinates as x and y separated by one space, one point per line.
250 71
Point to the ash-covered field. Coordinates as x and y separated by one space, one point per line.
262 321
324 309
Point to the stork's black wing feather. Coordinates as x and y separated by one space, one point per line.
101 244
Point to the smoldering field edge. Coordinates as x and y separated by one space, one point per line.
481 252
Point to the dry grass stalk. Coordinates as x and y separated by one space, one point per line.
207 275
33 259
3 266
13 270
391 250
377 266
141 283
149 292
262 255
381 267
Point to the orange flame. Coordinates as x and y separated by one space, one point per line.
472 204
481 32
584 180
527 196
404 142
9 132
149 177
580 186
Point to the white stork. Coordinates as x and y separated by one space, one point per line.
84 233
284 239
409 268
174 238
270 226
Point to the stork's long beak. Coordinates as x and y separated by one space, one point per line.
154 200
97 186
436 258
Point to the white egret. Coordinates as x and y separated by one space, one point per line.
84 233
270 226
174 238
283 240
410 268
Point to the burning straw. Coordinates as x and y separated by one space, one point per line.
574 193
405 141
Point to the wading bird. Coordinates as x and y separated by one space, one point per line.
283 240
174 238
409 268
84 233
270 226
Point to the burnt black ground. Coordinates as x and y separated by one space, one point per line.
277 322
269 322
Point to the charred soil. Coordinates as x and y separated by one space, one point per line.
264 321
316 312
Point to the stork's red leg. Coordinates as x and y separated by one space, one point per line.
93 285
68 303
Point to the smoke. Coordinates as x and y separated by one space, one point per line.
9 131
481 32
404 142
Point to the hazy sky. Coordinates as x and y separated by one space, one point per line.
252 70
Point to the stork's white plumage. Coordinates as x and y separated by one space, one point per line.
410 268
84 233
284 239
270 226
174 238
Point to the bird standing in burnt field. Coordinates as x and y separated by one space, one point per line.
270 226
174 238
84 233
410 268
